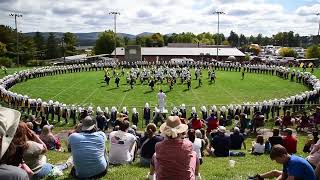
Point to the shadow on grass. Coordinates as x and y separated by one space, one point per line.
197 87
185 90
147 92
112 89
126 90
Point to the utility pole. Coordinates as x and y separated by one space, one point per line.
218 43
115 13
15 15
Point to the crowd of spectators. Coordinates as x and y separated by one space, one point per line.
23 151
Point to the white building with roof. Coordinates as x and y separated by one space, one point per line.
152 54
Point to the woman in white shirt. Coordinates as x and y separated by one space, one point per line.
258 147
197 143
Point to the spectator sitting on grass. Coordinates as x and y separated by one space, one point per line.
289 141
9 120
314 156
88 150
148 143
122 144
303 122
258 146
197 144
174 157
221 143
52 142
237 139
275 138
294 167
311 142
286 120
201 134
34 153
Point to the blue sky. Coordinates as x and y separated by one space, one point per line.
249 17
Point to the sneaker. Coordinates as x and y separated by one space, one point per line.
70 162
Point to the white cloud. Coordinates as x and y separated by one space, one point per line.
165 16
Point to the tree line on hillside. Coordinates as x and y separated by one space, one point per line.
105 41
36 47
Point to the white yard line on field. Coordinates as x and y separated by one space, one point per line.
124 97
231 95
196 96
62 91
89 96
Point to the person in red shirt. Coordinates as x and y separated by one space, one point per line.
289 141
212 123
197 123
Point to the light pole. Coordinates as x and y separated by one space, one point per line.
64 50
15 15
318 28
114 13
218 43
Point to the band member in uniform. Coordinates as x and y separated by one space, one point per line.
125 111
57 110
73 114
146 114
151 84
242 75
39 102
183 111
189 83
33 106
204 112
51 109
200 81
107 80
44 111
113 116
135 116
117 81
65 113
171 83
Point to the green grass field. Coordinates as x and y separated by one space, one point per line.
88 88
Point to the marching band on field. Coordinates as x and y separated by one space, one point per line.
158 73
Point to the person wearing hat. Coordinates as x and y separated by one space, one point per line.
51 109
183 111
101 120
221 143
9 120
168 165
117 81
146 113
289 141
73 114
88 150
135 116
161 100
122 144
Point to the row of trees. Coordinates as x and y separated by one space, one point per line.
105 42
36 47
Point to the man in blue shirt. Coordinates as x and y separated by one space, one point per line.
294 167
221 143
88 151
